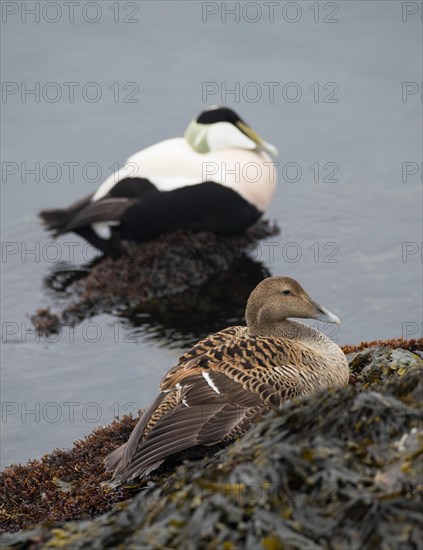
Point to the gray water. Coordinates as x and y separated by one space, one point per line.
356 227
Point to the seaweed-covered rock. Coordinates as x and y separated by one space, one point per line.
64 484
340 469
46 322
154 278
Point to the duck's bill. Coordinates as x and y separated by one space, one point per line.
261 143
269 148
325 315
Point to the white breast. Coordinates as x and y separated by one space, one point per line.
172 163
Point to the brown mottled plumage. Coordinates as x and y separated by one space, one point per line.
231 378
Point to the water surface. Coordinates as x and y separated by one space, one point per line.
343 240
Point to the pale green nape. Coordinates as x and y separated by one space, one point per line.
196 136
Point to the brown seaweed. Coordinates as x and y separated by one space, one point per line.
340 469
205 276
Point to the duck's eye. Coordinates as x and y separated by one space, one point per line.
287 292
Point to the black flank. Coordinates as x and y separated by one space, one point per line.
132 188
207 206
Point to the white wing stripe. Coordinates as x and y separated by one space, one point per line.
210 382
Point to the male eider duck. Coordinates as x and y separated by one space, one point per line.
233 377
218 177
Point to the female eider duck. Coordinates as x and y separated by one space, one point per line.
218 178
233 377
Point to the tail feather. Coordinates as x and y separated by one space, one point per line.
57 219
60 220
112 460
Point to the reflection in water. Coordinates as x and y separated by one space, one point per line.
183 319
177 320
63 276
176 289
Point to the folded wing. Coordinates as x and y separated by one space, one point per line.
212 396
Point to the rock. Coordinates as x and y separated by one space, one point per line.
156 277
45 322
339 469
